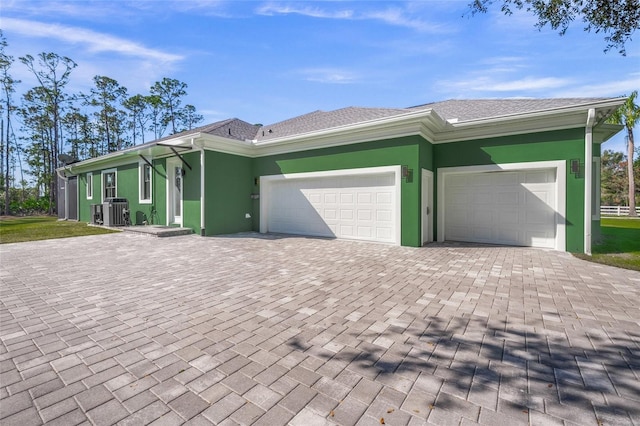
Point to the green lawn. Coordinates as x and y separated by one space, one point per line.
620 245
32 228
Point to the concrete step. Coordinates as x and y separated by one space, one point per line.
158 230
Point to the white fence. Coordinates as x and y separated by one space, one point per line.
616 210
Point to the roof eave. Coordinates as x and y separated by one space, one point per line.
561 118
424 122
126 156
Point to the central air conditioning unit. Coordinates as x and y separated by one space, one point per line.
96 214
113 211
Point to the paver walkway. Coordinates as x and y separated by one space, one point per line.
272 330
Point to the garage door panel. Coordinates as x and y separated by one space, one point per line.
539 239
508 216
482 234
507 198
457 233
479 217
384 216
538 217
346 198
481 198
360 207
384 234
539 176
365 232
384 198
346 214
365 215
514 207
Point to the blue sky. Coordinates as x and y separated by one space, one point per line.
267 61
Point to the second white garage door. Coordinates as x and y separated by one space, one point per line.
352 206
507 207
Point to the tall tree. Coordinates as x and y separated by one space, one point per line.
38 130
629 115
6 106
188 118
156 109
617 19
107 97
80 134
52 72
170 91
138 109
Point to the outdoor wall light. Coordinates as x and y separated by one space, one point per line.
407 174
575 167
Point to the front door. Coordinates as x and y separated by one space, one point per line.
427 201
174 193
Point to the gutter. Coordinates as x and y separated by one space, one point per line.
588 178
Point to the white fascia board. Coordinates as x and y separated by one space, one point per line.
225 145
354 137
513 124
423 123
109 160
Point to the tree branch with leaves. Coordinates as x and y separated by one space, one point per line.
617 19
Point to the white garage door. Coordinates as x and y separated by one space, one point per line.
506 207
359 207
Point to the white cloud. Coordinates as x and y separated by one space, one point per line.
617 87
397 17
393 15
271 9
517 86
328 75
92 40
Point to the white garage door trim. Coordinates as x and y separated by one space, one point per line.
266 183
561 185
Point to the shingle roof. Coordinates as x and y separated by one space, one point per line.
473 109
462 110
232 128
321 120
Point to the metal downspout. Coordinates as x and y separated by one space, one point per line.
588 178
202 180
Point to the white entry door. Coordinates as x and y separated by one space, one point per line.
174 192
426 207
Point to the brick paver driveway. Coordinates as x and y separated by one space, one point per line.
248 329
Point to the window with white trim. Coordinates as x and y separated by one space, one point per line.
144 177
109 184
89 186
